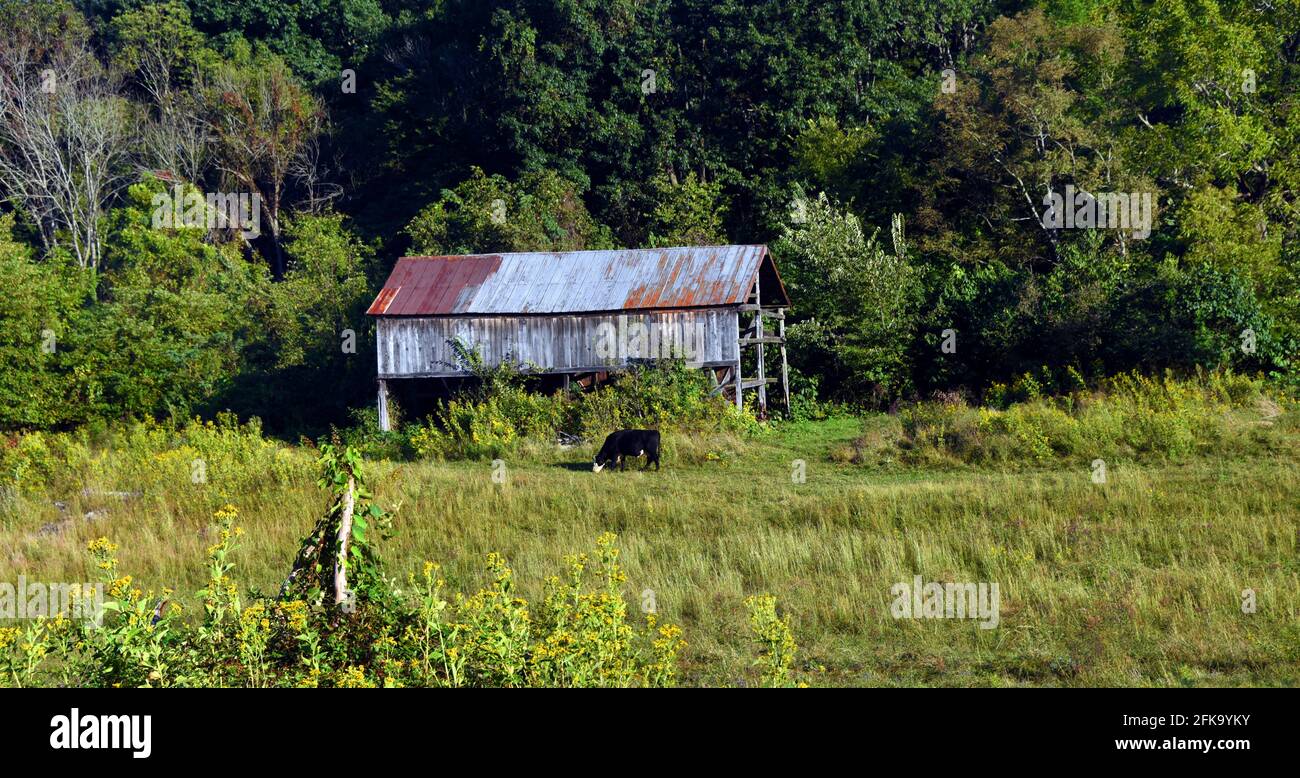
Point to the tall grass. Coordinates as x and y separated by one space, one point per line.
1127 417
1138 580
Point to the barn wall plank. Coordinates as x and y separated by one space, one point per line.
411 346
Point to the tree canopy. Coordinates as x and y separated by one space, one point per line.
361 130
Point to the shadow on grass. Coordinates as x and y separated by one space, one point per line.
574 466
585 467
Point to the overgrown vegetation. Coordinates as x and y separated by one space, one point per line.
1129 417
382 633
500 422
1133 580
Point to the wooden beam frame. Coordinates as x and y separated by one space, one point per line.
756 335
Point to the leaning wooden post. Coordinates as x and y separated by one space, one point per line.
345 534
383 405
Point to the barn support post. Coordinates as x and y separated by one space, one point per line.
383 405
735 378
758 332
785 369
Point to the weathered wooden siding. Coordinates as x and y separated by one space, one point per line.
417 346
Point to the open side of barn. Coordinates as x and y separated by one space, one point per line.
583 314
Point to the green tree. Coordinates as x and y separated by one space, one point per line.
856 301
1217 80
689 213
41 302
1034 111
163 60
486 214
264 123
834 159
317 39
169 331
313 356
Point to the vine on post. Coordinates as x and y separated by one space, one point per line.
340 545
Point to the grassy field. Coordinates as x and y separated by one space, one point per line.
1135 581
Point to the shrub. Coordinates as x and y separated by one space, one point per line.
476 429
667 395
36 320
148 456
308 333
167 333
865 294
498 420
776 641
1127 415
1037 431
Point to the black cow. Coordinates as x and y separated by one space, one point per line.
628 443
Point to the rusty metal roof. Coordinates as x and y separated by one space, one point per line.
577 281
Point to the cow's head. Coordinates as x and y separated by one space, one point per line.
597 465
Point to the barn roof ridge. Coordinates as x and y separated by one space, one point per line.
583 251
552 282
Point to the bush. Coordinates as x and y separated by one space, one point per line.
580 636
1126 416
150 457
1187 318
865 297
665 396
499 420
167 333
1023 334
478 429
310 356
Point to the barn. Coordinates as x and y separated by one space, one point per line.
583 314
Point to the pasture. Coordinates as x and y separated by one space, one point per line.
1138 580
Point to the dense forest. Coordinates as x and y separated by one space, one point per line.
933 179
1043 345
